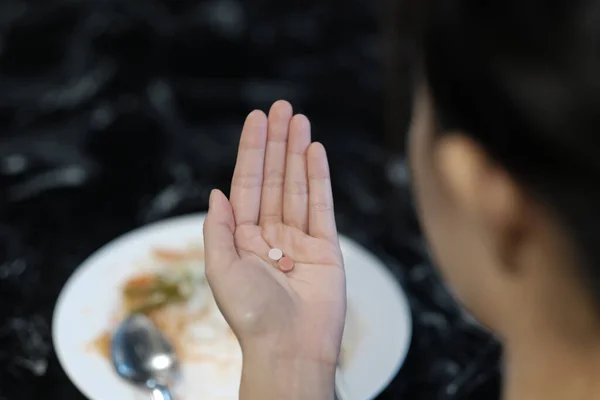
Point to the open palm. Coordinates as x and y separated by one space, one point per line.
280 198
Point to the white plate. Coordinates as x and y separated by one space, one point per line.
377 305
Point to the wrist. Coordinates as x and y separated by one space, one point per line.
270 376
324 352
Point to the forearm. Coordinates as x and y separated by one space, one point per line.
272 378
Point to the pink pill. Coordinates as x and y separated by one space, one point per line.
286 264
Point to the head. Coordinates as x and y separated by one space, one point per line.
505 146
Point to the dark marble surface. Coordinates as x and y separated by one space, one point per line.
114 114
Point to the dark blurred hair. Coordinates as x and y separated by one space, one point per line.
522 78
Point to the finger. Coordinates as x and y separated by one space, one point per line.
246 185
271 206
295 188
219 227
321 218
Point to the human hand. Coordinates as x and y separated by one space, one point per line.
280 198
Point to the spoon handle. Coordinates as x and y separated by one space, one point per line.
160 392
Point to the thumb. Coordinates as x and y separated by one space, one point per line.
219 226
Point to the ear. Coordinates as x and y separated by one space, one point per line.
482 190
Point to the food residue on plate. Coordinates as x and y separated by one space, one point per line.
172 291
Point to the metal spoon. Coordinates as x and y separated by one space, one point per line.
142 355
